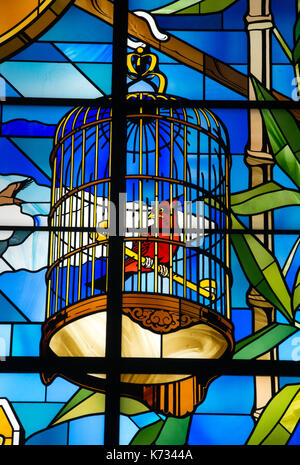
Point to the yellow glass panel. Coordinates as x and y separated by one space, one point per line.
6 429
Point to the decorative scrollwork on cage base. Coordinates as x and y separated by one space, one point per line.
179 324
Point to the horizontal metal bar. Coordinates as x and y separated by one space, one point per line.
104 102
91 229
86 365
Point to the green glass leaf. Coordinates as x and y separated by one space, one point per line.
205 6
93 405
263 341
129 406
215 6
175 7
148 434
191 10
289 262
290 258
281 414
261 269
296 292
278 437
174 432
76 399
296 52
283 133
263 198
87 402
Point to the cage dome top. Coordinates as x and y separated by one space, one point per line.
146 84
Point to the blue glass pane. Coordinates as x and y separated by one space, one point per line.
284 16
87 431
220 429
56 436
22 387
36 416
31 295
78 26
26 340
145 419
242 320
224 396
40 52
233 17
287 218
228 46
5 331
52 80
127 430
290 348
94 53
60 390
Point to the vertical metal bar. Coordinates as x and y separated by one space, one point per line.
156 201
117 185
171 206
71 234
51 236
59 224
140 194
227 259
185 202
82 203
70 220
109 198
95 203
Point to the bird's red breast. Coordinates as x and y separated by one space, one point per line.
148 245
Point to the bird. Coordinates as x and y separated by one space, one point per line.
8 195
160 215
11 215
187 228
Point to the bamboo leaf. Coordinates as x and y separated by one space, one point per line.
204 7
79 396
261 269
283 134
290 259
260 266
174 7
262 341
87 402
296 292
147 435
296 52
283 44
291 272
279 419
263 198
174 431
92 405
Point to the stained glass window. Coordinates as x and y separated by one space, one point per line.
149 223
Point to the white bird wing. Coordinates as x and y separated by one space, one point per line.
82 212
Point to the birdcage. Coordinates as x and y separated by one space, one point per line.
176 276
